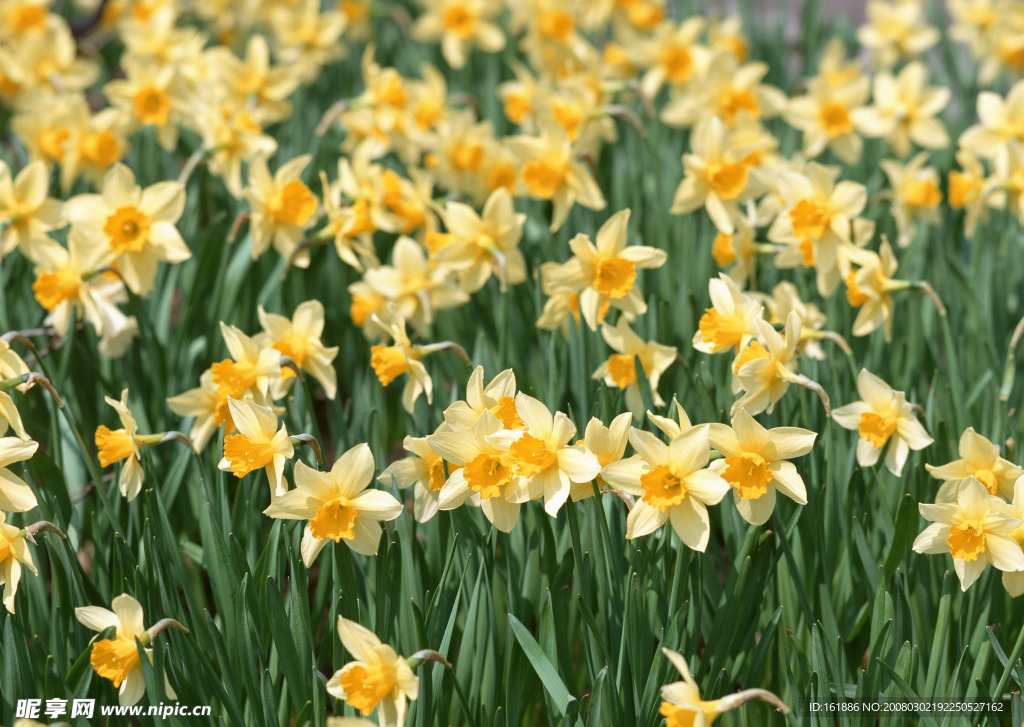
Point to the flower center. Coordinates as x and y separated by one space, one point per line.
335 519
517 106
459 21
113 445
810 218
749 474
292 204
366 684
114 659
233 378
100 148
663 488
294 347
678 64
720 330
921 193
531 455
5 548
854 294
966 541
246 455
728 180
753 352
988 478
568 115
389 362
614 277
437 478
487 474
733 102
622 369
877 427
722 250
363 306
152 106
467 157
543 177
676 716
127 230
51 142
556 25
51 289
835 119
25 17
505 412
806 248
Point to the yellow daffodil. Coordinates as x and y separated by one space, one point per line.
13 553
916 195
484 471
484 244
1013 581
10 418
619 369
896 31
15 495
607 443
671 428
498 397
258 443
26 210
543 456
401 357
378 678
604 275
150 96
672 54
11 364
976 530
999 121
882 417
459 25
755 464
682 706
283 207
250 370
980 459
117 659
730 321
870 287
825 115
904 111
298 338
673 484
207 405
729 90
135 224
423 469
123 444
338 505
766 367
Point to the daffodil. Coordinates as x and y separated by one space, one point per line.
299 338
283 207
682 706
26 209
673 483
764 369
605 274
619 369
150 96
896 31
484 471
999 121
498 397
975 529
10 418
755 464
980 459
883 417
135 224
671 428
117 659
423 470
904 110
209 408
671 53
123 444
459 25
338 505
870 288
401 357
258 443
378 678
485 244
607 443
543 457
915 193
15 495
730 321
250 370
825 114
13 553
1013 581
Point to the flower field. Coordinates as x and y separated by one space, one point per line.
551 362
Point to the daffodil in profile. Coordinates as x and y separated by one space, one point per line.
137 225
764 369
299 338
682 706
123 444
979 458
339 505
378 678
258 443
730 321
14 553
117 659
423 470
15 495
975 529
673 483
755 463
607 443
882 417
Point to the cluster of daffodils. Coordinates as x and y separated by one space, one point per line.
499 448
